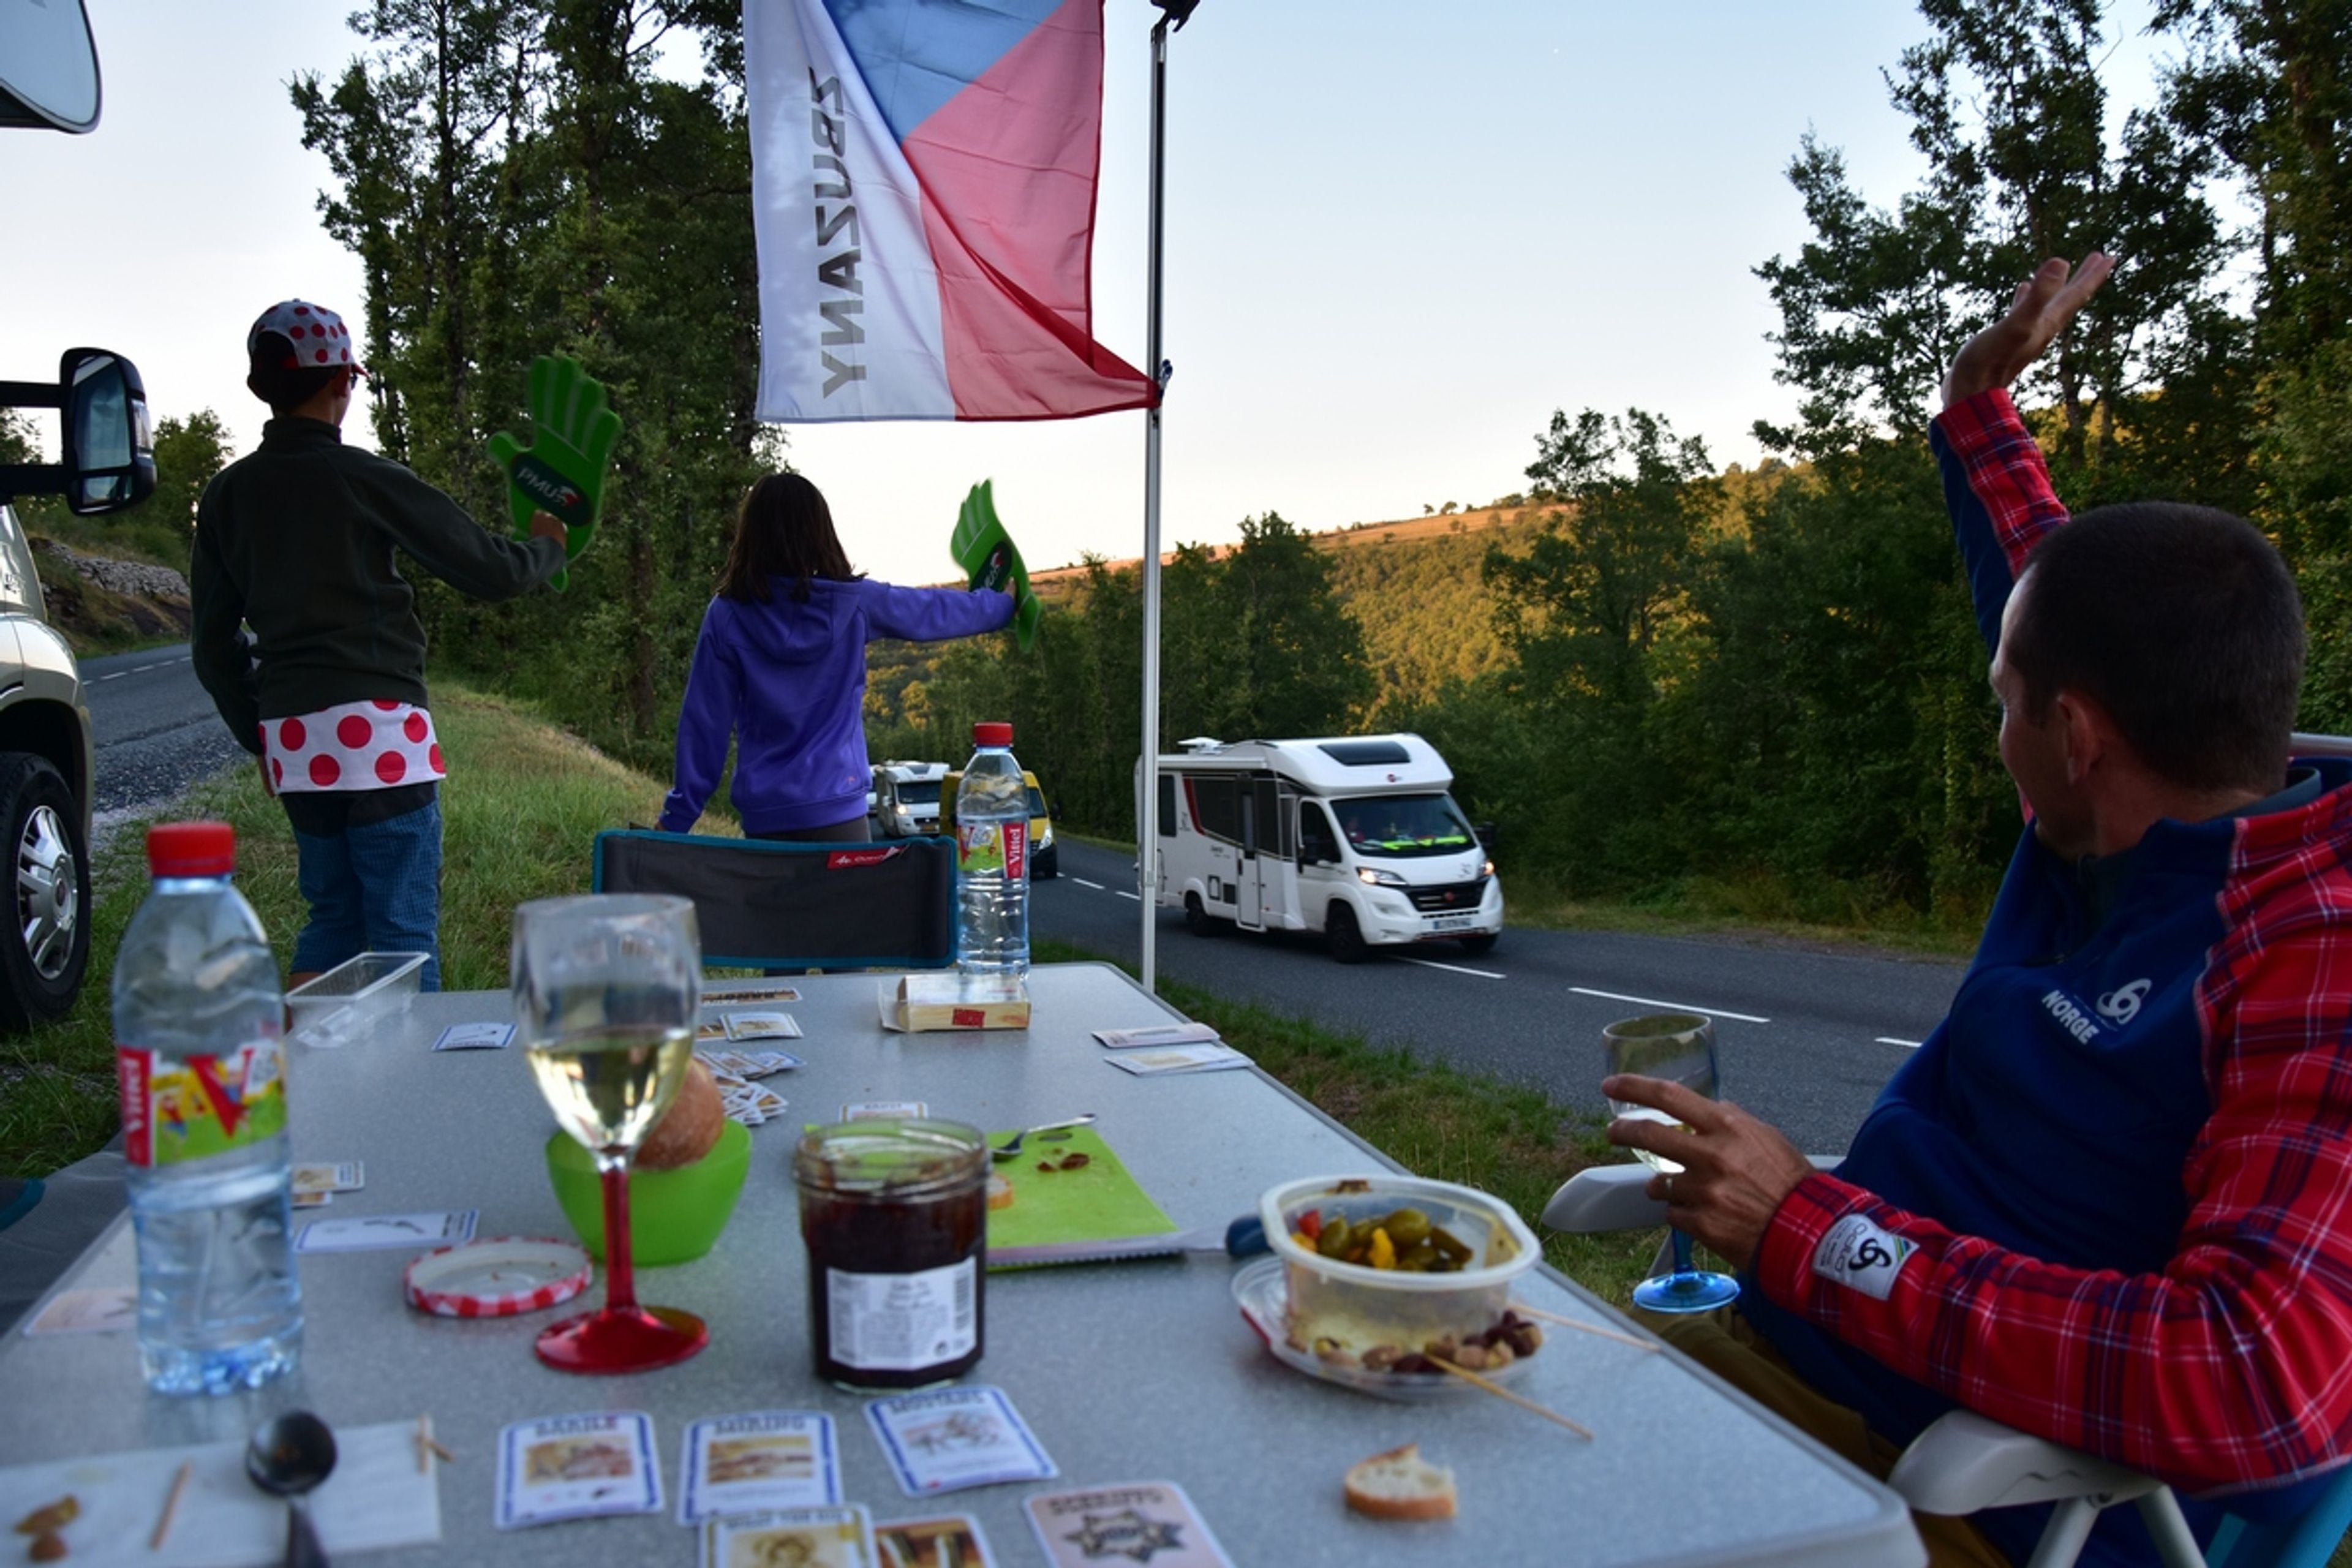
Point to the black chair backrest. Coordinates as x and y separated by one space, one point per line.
764 905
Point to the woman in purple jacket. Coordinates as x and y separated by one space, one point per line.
781 666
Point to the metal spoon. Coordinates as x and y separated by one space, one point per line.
1010 1150
286 1458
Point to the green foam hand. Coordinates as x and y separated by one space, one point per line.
561 472
987 553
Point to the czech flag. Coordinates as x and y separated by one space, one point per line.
923 190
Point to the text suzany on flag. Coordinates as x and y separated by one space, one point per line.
923 189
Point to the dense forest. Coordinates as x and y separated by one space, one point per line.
1650 672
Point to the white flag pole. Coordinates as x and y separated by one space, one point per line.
1146 823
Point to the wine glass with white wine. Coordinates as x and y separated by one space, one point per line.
1680 1048
606 988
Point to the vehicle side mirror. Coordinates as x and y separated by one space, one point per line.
1487 835
1054 814
108 450
48 67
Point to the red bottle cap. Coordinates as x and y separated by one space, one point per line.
991 734
191 849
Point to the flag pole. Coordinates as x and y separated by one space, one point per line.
1147 820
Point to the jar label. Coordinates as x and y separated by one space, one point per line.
902 1323
201 1105
993 846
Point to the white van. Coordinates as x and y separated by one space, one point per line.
905 803
1351 835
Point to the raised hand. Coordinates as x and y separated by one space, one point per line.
561 472
1736 1169
2039 311
991 560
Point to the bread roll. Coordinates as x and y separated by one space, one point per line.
999 1193
689 1129
1400 1484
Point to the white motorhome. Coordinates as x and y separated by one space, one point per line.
1351 835
907 799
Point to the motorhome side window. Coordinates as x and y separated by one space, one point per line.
1405 825
1217 807
1167 805
1318 845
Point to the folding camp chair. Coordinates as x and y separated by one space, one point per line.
763 905
1965 1463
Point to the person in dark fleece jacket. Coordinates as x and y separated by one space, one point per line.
2108 1201
780 667
295 541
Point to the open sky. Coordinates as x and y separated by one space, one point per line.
1399 236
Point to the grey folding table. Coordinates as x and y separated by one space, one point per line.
1130 1371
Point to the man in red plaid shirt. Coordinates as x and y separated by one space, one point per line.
2105 1201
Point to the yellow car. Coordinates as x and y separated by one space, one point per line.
1045 860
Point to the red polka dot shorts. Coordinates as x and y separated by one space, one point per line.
353 746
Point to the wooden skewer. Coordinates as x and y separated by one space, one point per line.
1583 1327
446 1457
171 1505
1499 1391
426 1446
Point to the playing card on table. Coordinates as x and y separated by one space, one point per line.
475 1037
1157 1062
736 993
340 1176
570 1466
766 1459
794 1538
884 1110
91 1311
366 1232
951 1438
1186 1034
944 1541
1139 1521
763 1027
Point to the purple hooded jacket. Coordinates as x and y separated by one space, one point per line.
788 681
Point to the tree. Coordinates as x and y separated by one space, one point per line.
2008 108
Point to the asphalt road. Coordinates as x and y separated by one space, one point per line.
154 730
1805 1037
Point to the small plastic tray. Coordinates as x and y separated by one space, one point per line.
1259 1290
353 997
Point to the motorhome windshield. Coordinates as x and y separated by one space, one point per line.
1402 826
920 792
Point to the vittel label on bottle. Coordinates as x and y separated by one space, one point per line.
206 1105
902 1323
993 846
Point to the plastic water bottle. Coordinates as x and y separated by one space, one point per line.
198 1017
992 863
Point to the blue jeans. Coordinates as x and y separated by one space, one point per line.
374 887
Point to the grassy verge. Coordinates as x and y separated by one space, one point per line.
521 805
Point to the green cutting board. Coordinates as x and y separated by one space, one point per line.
1099 1201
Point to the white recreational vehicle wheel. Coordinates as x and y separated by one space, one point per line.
1199 921
1347 939
1483 942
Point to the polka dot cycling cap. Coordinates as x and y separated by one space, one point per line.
314 338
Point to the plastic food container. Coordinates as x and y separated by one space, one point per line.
355 996
1360 1307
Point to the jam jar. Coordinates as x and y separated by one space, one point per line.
895 1215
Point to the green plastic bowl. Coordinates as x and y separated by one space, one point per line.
674 1217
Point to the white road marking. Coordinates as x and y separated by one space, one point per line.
1125 894
115 674
1453 968
1891 1040
1082 882
1680 1006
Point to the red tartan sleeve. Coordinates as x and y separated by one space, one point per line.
2006 470
2231 1367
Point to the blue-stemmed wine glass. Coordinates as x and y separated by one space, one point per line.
1680 1048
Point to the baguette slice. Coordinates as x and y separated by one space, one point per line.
999 1193
1400 1483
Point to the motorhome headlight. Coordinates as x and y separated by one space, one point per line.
1379 878
1488 871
